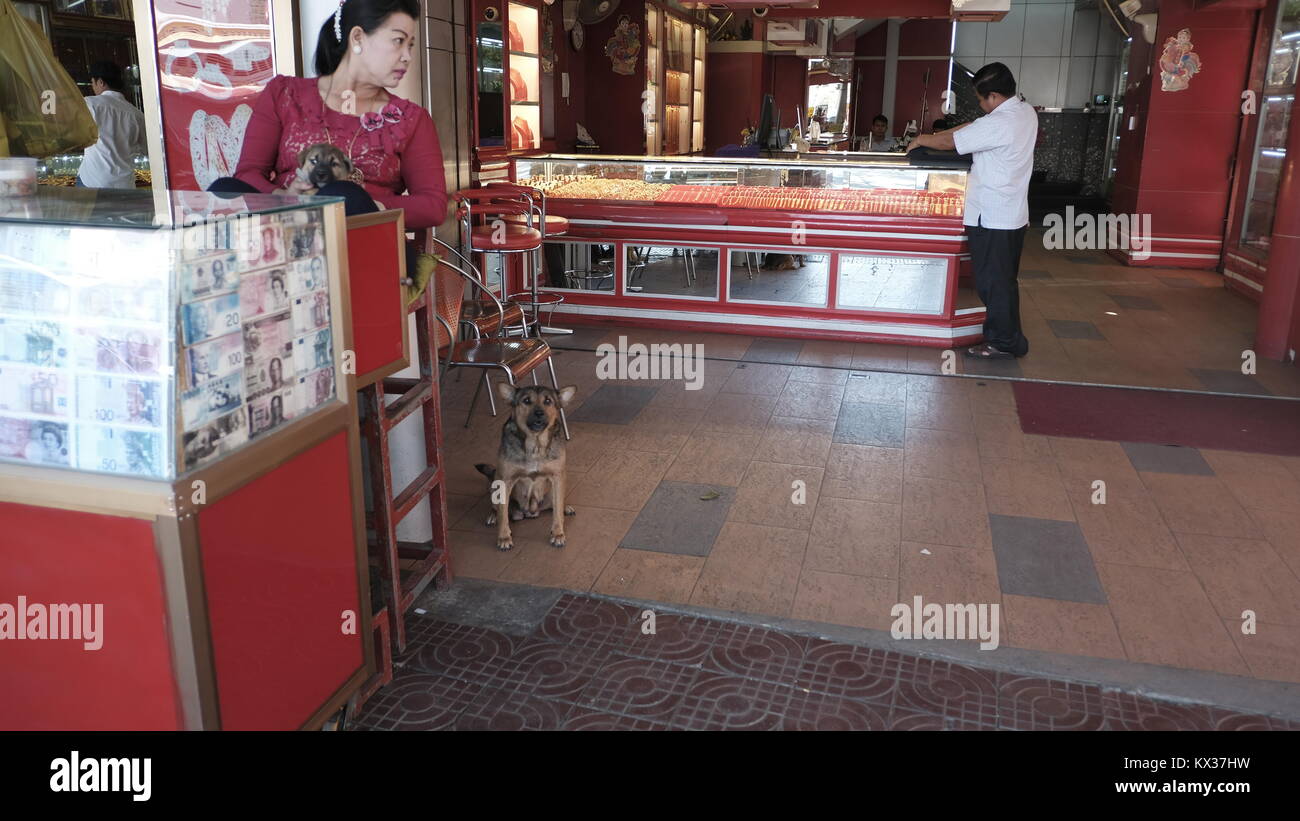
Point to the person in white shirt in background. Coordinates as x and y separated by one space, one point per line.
997 202
108 163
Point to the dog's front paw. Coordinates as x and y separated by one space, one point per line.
569 511
491 519
505 543
557 539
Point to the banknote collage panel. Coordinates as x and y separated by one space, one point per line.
257 346
86 344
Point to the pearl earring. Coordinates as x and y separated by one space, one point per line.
356 49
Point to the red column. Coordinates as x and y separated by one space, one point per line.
1279 305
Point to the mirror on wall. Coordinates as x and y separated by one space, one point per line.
490 83
670 271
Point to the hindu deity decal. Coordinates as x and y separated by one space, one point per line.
1178 62
624 46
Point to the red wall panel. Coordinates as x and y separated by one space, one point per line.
733 86
279 561
63 557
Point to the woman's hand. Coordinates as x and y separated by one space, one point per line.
300 187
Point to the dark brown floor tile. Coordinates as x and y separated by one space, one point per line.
458 651
721 702
818 711
581 718
587 622
552 670
1127 711
1027 703
952 690
641 688
849 672
510 711
415 700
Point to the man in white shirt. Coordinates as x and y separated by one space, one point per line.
109 162
997 202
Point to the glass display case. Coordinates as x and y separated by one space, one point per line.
147 335
885 187
673 105
1275 108
525 80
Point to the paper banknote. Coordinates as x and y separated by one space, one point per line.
113 349
31 390
30 292
311 311
268 337
41 443
270 411
313 351
261 242
209 318
217 438
303 241
208 277
315 388
206 402
117 450
143 302
267 375
308 275
263 292
214 359
120 400
34 342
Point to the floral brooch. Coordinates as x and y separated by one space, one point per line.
373 120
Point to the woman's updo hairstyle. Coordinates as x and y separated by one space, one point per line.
369 15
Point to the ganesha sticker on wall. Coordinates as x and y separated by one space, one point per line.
624 46
1178 62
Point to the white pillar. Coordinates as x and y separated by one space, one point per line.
891 74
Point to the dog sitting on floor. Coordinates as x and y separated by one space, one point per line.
530 461
322 164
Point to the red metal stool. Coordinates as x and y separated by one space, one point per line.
550 226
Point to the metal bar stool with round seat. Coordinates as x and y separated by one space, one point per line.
551 226
493 235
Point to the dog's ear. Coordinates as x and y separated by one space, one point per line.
566 395
302 156
506 391
346 162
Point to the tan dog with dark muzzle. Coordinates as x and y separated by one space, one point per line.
322 164
530 462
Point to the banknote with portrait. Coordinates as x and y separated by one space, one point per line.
118 349
120 450
209 318
202 404
120 400
45 392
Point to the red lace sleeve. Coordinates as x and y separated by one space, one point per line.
422 171
262 138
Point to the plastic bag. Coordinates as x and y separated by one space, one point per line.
42 109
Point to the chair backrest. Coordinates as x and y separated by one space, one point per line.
449 293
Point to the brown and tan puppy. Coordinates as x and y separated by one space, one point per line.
530 461
322 164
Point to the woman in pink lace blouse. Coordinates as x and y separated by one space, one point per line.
363 49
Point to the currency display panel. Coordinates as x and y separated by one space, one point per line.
149 336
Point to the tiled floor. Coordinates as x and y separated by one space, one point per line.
592 664
827 481
841 492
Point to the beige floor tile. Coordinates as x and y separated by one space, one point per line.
645 574
936 511
1164 617
941 454
874 386
855 537
877 356
621 480
710 458
918 383
810 400
768 495
1272 651
1056 626
592 536
1127 529
1016 487
993 396
1000 437
681 394
1257 480
853 601
738 413
864 472
943 574
1244 574
940 411
827 353
1282 530
474 554
659 430
752 569
1199 504
824 376
757 378
792 440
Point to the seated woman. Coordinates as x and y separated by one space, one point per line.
364 48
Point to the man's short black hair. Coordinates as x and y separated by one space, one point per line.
940 125
994 78
109 72
880 118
